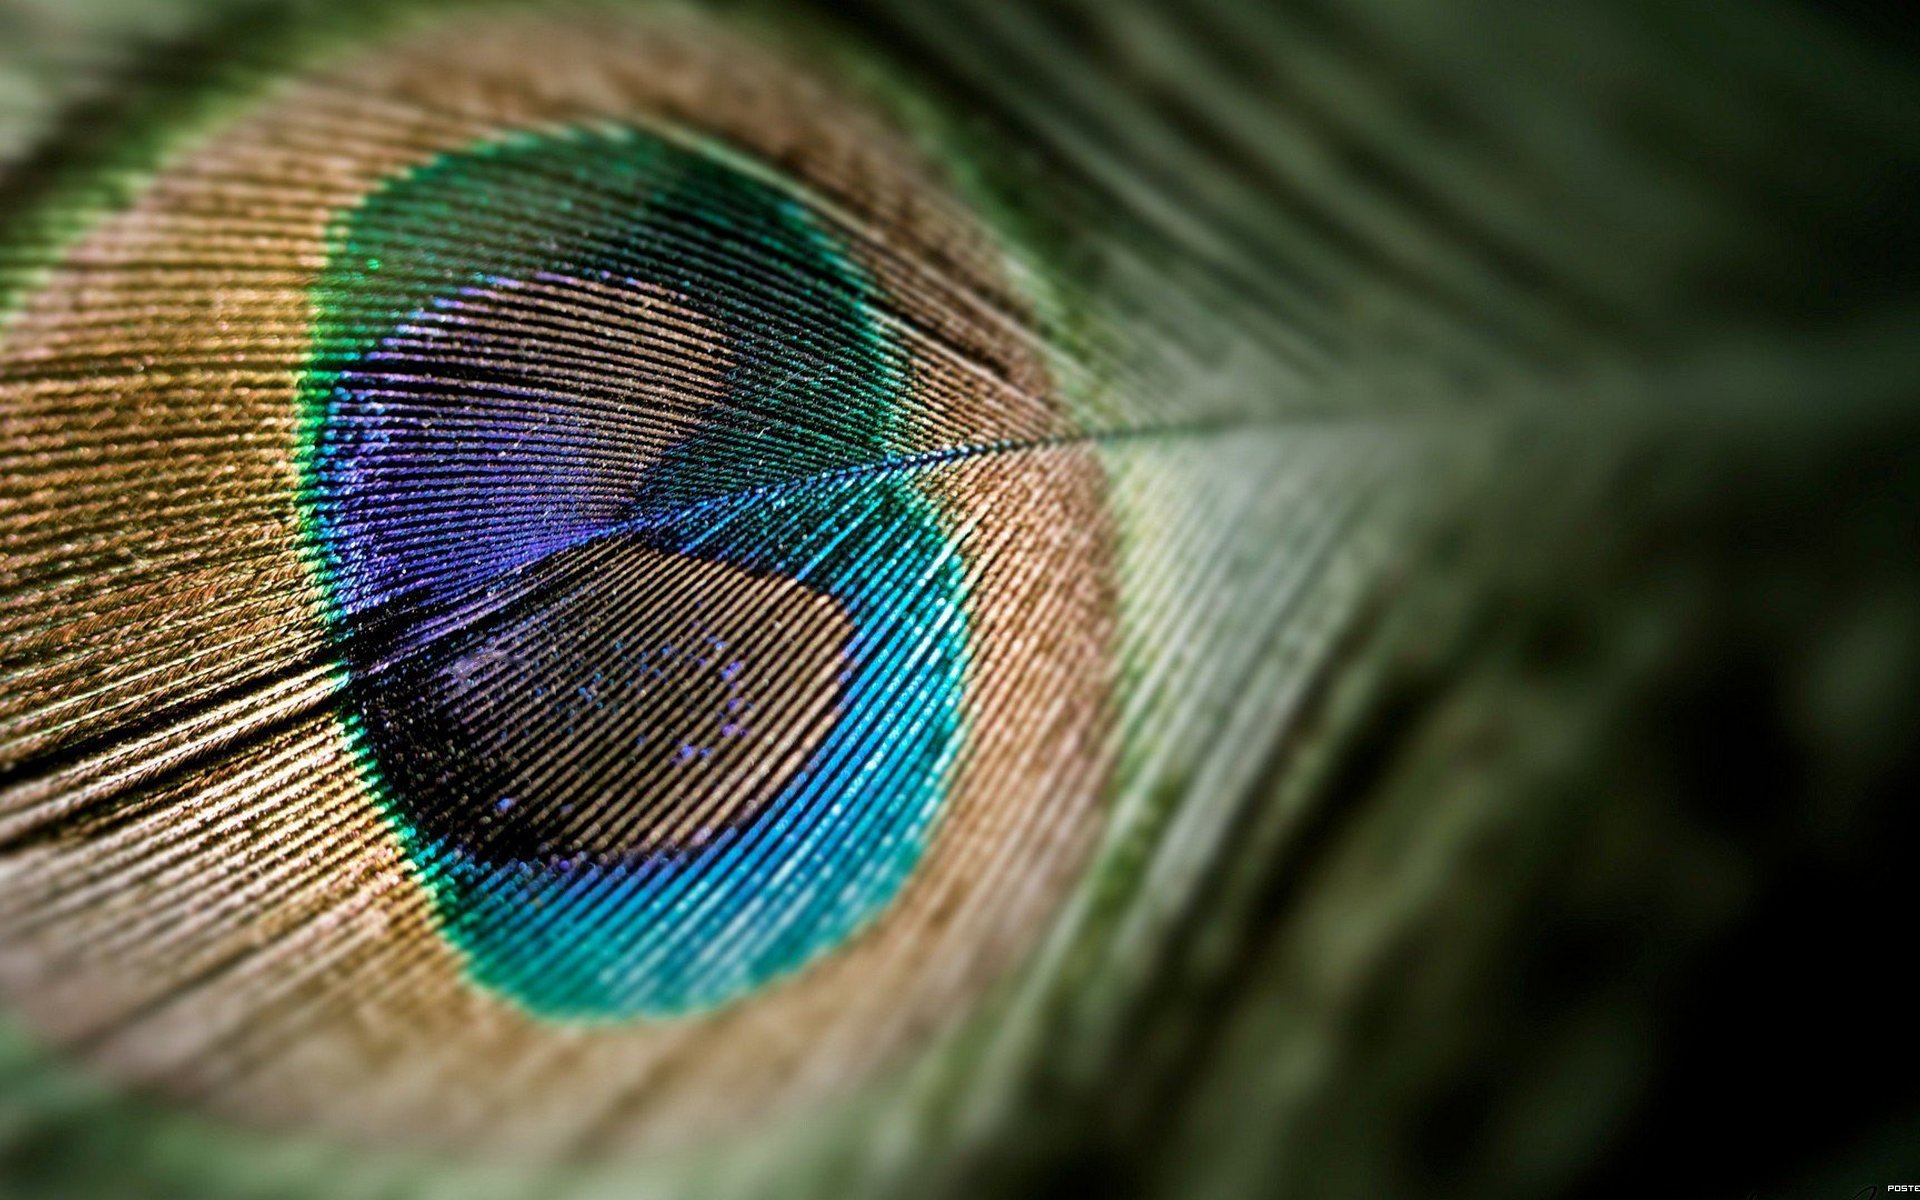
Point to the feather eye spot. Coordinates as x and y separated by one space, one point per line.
659 605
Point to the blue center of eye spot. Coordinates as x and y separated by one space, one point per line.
653 666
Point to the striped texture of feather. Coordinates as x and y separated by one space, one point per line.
1267 600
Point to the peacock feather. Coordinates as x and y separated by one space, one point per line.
616 599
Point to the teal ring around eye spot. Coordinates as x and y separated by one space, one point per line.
449 504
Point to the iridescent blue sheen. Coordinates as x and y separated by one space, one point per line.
772 481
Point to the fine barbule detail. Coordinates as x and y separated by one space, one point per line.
624 590
744 599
